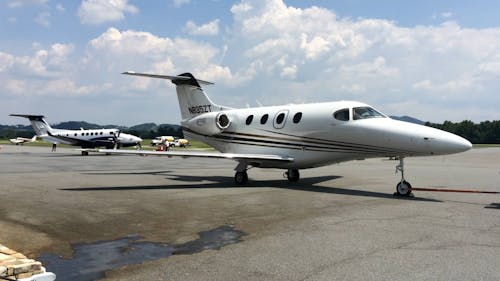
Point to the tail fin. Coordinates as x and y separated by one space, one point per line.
39 124
192 99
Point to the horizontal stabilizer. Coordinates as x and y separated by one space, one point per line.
29 116
174 79
186 154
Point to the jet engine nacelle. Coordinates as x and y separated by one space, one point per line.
209 123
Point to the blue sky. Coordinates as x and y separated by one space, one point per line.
433 60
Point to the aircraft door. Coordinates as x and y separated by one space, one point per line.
280 119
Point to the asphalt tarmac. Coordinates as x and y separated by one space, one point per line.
340 222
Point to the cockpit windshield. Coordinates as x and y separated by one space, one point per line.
365 113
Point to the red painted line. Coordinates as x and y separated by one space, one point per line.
454 190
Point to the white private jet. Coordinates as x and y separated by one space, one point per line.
109 138
294 137
21 140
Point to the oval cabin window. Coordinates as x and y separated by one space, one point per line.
297 117
280 118
249 120
264 118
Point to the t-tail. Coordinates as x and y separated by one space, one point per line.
193 100
38 123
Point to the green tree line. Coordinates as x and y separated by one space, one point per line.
487 132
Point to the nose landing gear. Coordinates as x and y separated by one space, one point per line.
403 188
241 176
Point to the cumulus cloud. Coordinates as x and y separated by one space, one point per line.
45 63
100 11
207 29
433 72
126 50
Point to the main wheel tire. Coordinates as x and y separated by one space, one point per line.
403 188
293 175
241 177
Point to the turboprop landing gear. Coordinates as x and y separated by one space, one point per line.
85 153
403 188
292 175
241 176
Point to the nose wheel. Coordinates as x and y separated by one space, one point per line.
241 176
403 188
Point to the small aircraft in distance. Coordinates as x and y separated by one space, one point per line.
21 140
300 136
86 139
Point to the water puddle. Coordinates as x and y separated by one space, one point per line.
91 260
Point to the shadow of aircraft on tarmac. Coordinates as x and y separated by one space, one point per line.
201 182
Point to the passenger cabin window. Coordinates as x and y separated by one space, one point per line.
365 113
342 115
264 118
249 120
297 117
280 118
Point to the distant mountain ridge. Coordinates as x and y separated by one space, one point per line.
76 125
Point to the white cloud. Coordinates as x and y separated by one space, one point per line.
100 11
433 72
207 29
446 14
21 3
178 3
43 19
60 8
289 72
6 61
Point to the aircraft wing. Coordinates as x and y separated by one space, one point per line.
202 154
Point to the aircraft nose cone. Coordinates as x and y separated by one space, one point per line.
456 144
462 144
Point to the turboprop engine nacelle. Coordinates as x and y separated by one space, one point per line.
209 123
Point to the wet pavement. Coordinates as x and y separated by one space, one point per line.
90 261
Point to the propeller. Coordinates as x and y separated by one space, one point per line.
116 140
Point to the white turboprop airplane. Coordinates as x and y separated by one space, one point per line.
294 137
21 140
109 138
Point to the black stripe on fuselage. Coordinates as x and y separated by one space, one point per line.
318 145
307 141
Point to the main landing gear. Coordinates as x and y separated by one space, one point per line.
292 175
241 175
403 188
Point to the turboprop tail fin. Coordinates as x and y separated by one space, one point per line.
38 123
